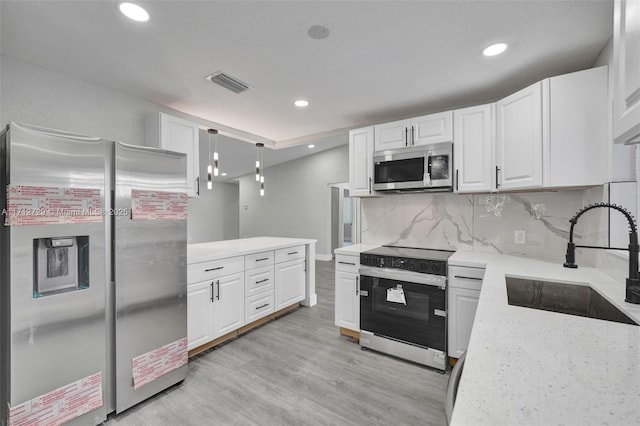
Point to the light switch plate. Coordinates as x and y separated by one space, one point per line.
519 236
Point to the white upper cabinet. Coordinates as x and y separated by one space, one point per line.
176 134
432 128
474 148
361 162
428 129
575 131
392 135
519 139
626 78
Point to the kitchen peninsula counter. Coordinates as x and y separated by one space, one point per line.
216 250
531 367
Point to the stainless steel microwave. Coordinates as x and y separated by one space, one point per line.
426 168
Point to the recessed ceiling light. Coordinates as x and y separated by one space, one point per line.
318 32
495 49
301 103
312 146
135 12
224 174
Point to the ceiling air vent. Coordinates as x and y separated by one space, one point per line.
228 82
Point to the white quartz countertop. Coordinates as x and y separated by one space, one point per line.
203 252
355 249
531 367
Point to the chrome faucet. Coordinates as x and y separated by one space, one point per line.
633 282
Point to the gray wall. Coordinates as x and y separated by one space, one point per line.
34 95
297 201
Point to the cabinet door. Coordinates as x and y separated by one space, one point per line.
462 310
626 79
392 135
473 149
361 162
290 283
432 128
181 135
576 142
519 139
347 301
199 314
228 309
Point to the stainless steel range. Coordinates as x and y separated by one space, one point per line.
403 303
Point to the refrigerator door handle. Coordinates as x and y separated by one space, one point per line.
211 291
218 283
198 185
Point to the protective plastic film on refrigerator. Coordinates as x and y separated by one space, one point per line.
60 296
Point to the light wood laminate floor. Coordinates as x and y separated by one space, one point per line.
297 370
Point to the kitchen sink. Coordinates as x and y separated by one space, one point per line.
572 299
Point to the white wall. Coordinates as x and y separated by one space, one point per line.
297 201
34 95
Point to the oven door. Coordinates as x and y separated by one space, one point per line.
421 321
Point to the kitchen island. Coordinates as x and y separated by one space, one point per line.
531 367
236 285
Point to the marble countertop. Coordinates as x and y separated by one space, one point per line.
530 367
203 252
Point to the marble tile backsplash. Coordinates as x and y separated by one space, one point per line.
487 222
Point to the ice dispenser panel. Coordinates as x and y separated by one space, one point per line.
61 264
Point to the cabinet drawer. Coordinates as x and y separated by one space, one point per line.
258 281
258 306
204 271
290 253
345 263
466 277
258 260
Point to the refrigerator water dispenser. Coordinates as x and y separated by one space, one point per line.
61 264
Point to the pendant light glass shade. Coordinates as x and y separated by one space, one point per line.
259 148
212 170
262 186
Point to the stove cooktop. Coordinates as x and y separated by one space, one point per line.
411 253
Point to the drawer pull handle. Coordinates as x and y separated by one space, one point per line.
214 269
260 260
262 281
467 278
293 252
262 306
347 263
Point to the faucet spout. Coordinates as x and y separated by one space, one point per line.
633 282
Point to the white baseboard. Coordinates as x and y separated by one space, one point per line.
324 257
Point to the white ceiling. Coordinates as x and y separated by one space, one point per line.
383 60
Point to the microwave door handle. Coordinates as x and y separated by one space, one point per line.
427 175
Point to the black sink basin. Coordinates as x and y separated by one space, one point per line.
580 300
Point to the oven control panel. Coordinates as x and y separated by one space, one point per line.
424 266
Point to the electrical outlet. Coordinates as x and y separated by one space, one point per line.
519 236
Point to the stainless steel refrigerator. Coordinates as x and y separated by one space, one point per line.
92 275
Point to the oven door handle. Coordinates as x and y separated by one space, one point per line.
406 276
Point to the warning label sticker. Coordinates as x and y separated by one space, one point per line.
157 205
60 405
148 367
42 205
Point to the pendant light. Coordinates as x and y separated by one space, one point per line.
212 170
259 148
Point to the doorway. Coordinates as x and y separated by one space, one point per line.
343 223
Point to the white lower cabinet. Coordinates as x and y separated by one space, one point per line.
463 295
258 306
199 313
347 300
228 305
289 283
